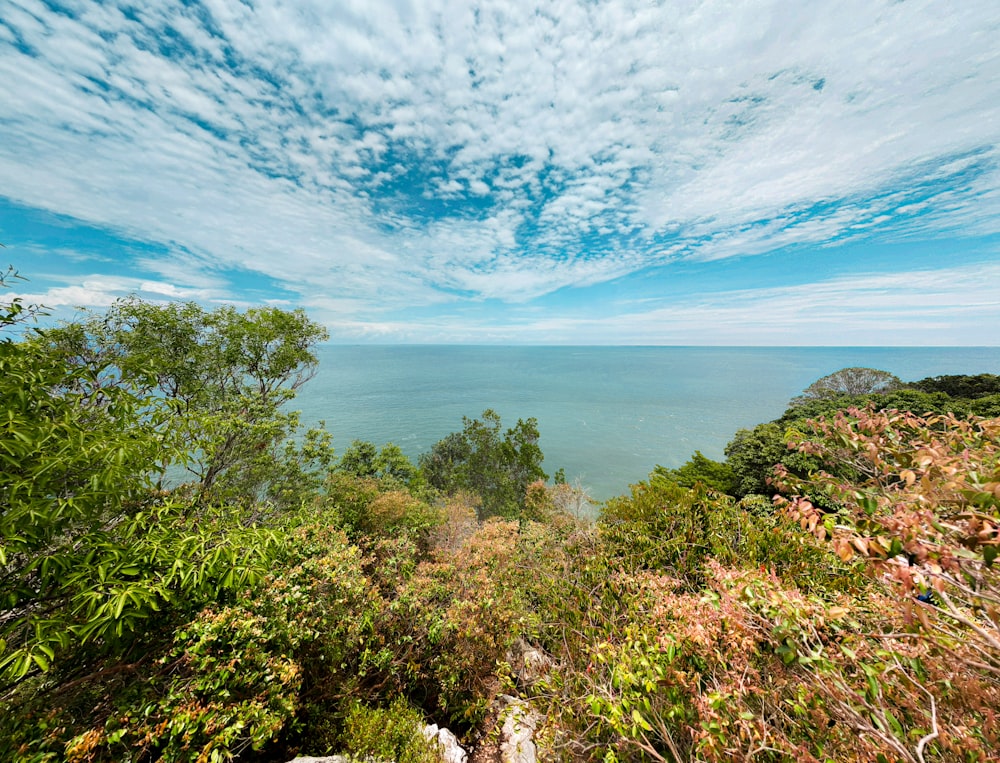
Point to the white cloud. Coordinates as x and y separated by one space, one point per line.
299 139
97 291
929 307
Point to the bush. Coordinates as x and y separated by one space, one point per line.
660 526
699 469
441 637
365 510
482 459
250 675
393 733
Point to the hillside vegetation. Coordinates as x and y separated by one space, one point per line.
186 575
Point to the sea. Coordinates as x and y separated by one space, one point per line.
606 415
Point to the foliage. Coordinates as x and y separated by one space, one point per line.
904 399
87 548
971 386
752 455
676 531
446 627
699 469
198 358
279 606
366 508
223 375
925 507
97 562
746 664
388 465
458 523
850 381
14 312
572 500
659 526
290 475
246 676
987 406
391 733
497 466
238 675
561 505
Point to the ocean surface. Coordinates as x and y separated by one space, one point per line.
607 415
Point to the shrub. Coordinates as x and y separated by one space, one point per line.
458 523
252 675
441 637
497 466
367 511
393 733
660 526
927 492
699 469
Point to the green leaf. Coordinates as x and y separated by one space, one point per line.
896 726
41 660
990 554
640 721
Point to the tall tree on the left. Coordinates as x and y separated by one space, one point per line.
224 374
91 415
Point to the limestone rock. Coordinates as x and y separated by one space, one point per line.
517 743
451 751
528 662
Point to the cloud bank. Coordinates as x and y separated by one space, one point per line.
391 165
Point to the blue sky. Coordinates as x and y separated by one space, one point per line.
567 172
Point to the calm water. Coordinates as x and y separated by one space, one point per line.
607 415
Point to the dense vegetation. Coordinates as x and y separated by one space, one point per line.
185 575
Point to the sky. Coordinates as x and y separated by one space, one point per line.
771 172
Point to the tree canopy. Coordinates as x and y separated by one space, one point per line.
971 386
388 464
225 375
497 466
92 415
850 381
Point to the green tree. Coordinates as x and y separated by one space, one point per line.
971 386
91 415
752 455
497 466
904 399
699 468
226 376
14 312
89 549
388 465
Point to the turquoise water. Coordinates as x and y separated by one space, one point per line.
607 415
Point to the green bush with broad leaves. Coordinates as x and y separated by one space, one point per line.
99 561
244 676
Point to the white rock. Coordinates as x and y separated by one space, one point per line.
517 743
451 750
